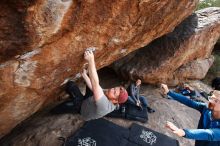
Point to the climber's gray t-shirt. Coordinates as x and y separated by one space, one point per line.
92 109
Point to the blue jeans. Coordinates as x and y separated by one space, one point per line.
142 99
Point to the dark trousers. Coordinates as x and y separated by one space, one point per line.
73 105
142 99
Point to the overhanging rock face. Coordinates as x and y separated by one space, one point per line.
159 61
48 38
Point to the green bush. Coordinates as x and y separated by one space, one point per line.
208 3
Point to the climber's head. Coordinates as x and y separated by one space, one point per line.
117 94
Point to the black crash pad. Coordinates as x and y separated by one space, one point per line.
99 132
143 136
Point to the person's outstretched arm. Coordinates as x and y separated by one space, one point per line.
203 134
186 101
86 79
183 99
93 75
196 134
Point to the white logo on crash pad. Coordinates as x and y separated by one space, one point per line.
88 141
148 137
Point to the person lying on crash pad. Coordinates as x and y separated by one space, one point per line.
208 132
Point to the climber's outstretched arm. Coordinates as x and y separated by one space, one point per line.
93 75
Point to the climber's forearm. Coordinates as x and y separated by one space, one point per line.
93 75
87 80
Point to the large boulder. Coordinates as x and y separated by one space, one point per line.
43 43
193 70
159 61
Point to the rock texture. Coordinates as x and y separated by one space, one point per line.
42 43
196 69
161 60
